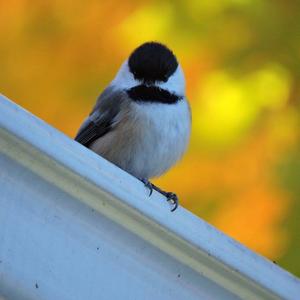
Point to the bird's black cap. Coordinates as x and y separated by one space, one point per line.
152 62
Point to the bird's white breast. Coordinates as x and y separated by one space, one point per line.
164 135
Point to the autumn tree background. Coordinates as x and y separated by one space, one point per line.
242 64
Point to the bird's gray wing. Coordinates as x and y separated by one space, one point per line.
103 116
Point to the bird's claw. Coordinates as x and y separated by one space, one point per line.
148 185
173 199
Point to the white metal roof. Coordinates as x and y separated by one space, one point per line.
74 226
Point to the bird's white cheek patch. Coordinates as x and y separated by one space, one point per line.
124 78
175 83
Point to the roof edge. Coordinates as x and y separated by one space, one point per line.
88 177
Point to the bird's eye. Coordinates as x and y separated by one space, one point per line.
134 74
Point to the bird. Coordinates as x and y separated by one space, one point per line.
141 122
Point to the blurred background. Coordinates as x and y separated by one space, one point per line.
242 64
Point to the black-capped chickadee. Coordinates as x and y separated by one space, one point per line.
141 122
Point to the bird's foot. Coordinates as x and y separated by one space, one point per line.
171 197
148 185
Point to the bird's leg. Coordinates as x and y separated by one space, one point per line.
171 197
